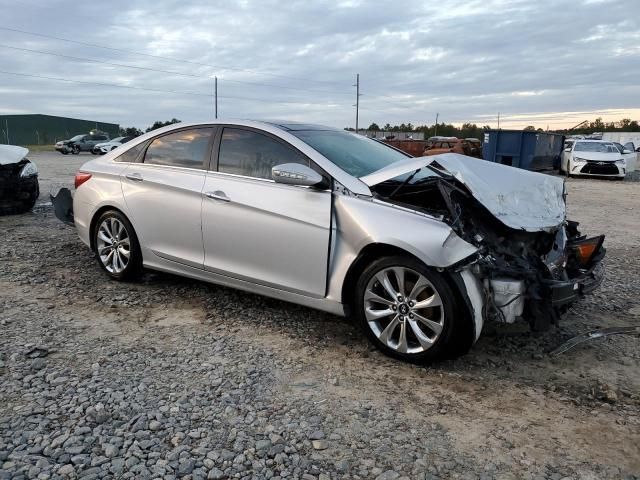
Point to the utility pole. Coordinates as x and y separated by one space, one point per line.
357 105
498 120
215 94
6 124
435 133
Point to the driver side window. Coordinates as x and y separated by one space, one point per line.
252 154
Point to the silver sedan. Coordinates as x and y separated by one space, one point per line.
420 251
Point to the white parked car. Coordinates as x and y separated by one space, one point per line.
106 147
596 158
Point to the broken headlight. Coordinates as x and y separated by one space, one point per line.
29 170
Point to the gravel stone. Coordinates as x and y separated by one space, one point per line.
174 378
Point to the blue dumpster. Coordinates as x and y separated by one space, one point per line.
523 149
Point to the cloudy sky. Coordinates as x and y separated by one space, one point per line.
536 63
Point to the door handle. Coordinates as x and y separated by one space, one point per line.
136 177
218 195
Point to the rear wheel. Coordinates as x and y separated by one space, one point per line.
117 248
410 312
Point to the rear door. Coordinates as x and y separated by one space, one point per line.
260 231
163 193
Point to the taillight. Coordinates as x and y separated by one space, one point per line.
81 177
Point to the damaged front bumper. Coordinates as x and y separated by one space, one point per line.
565 292
543 294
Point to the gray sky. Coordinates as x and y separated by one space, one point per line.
536 62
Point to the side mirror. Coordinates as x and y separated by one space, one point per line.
625 151
568 149
296 174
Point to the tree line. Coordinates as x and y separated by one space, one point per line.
471 130
135 131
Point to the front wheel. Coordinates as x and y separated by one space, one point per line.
117 248
75 150
410 312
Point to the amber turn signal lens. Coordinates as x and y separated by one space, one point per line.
81 177
585 251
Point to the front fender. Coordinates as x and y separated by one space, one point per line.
361 222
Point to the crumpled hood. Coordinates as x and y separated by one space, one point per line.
519 198
12 154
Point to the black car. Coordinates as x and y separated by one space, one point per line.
81 143
19 187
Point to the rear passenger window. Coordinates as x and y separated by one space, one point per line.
132 154
252 154
186 148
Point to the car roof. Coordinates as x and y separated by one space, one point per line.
591 141
296 126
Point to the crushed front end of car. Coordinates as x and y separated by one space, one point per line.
19 188
531 261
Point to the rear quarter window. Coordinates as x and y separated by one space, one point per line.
131 155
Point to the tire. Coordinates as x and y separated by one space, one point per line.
114 226
566 170
448 336
75 150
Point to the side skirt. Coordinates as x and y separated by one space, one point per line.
175 268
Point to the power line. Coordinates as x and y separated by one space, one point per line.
230 97
83 59
173 59
104 84
172 72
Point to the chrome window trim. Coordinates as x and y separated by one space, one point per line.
263 180
171 167
352 183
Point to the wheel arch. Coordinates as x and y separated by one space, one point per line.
454 279
374 251
94 221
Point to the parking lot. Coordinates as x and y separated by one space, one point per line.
171 377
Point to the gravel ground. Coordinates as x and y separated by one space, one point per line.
173 378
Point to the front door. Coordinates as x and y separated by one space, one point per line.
257 230
164 195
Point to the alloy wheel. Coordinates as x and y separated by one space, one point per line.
113 245
404 310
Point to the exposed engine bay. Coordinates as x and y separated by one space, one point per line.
533 274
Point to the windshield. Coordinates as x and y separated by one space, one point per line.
77 137
595 147
355 154
117 139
